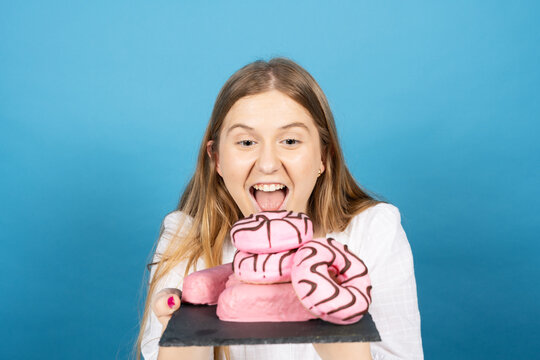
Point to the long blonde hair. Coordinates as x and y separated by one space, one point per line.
336 197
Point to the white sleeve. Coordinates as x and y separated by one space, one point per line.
174 279
395 306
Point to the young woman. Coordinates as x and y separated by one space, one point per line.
272 125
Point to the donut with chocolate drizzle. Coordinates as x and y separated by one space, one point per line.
263 268
271 232
331 282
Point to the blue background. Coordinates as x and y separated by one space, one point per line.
103 105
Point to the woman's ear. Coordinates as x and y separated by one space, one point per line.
323 159
213 155
322 167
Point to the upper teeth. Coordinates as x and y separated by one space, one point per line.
267 187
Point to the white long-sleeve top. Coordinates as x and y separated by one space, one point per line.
377 237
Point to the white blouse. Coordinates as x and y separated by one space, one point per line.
377 237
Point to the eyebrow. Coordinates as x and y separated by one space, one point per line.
285 127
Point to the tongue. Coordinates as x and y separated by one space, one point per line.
271 200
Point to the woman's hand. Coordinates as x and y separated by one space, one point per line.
343 351
165 303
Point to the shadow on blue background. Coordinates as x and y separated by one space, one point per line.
102 106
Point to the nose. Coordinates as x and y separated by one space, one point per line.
268 161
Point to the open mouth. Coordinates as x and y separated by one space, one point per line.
269 197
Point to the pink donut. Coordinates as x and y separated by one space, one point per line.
263 268
331 282
204 286
241 302
271 231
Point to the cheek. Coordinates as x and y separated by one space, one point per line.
232 178
303 172
234 169
304 164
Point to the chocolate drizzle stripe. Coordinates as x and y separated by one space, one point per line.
264 263
289 253
330 262
255 228
330 281
367 297
359 291
347 261
291 216
268 234
354 277
251 219
234 259
299 215
361 312
313 287
297 231
276 211
353 255
254 256
351 303
244 221
313 253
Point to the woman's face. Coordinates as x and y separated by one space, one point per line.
269 153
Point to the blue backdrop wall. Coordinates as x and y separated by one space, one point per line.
103 104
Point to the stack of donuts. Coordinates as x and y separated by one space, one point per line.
280 273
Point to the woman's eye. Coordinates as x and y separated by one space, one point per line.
246 143
291 141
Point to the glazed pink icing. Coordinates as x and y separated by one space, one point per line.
271 231
341 301
205 286
242 302
263 268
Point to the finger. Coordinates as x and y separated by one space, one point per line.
165 294
166 305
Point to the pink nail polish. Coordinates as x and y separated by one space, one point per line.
170 302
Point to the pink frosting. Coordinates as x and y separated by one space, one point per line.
263 268
233 280
271 231
243 302
205 286
343 300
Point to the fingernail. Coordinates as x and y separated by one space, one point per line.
170 302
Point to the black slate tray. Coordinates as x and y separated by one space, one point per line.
198 325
